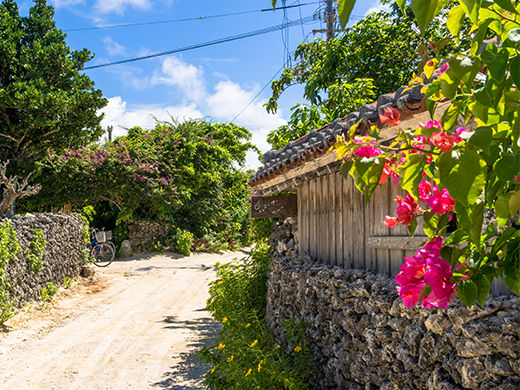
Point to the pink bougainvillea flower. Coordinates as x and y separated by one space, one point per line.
434 123
441 202
443 141
444 68
461 130
366 151
411 271
516 179
389 170
408 209
431 249
391 221
425 190
410 293
438 278
391 116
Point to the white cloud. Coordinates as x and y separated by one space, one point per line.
377 6
118 115
227 102
113 48
187 78
119 6
65 3
222 104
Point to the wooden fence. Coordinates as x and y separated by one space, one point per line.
335 227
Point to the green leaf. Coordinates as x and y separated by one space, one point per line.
515 70
449 84
477 40
463 217
484 286
514 203
482 138
508 166
496 61
431 222
344 10
424 11
471 7
502 208
507 5
345 168
463 173
512 267
477 218
455 19
373 176
412 227
467 291
456 237
450 116
401 4
465 69
411 175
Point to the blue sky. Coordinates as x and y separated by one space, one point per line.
217 81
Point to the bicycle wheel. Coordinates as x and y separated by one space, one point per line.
103 254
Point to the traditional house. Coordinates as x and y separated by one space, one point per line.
334 225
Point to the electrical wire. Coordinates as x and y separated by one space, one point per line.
188 19
210 43
258 94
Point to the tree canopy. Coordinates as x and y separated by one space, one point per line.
45 100
381 47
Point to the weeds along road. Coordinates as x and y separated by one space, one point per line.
136 324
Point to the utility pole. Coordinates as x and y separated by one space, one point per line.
330 16
109 130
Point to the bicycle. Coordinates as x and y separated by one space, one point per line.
101 250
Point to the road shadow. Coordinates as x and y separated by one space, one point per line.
189 372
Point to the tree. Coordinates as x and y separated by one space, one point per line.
186 174
381 47
45 100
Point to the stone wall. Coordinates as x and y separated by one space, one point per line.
142 232
63 255
364 338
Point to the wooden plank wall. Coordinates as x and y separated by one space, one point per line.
336 228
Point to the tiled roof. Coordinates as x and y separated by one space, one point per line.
317 142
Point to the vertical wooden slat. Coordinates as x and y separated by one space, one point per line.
397 256
358 227
348 242
338 200
326 215
370 225
312 218
319 228
332 219
300 215
380 207
303 221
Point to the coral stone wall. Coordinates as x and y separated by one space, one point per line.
142 232
364 338
63 255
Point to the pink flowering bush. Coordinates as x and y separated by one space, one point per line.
183 174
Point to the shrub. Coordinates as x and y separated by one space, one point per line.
183 241
244 355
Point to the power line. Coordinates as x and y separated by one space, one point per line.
258 94
188 19
210 43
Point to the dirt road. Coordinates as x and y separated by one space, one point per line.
136 325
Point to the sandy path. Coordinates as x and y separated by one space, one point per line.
136 325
